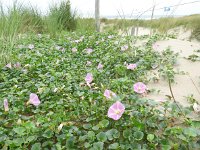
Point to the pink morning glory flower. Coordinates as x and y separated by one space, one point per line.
89 50
131 66
88 78
31 46
17 65
109 94
125 47
6 105
100 66
34 100
89 63
139 87
9 65
116 110
74 50
155 46
110 36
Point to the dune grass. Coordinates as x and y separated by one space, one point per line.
20 19
191 22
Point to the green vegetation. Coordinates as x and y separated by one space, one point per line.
191 22
20 19
72 112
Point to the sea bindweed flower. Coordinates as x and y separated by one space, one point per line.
155 46
124 48
74 50
34 100
140 87
196 107
116 110
5 103
100 66
17 65
109 94
89 78
89 50
31 46
131 66
89 63
110 36
9 65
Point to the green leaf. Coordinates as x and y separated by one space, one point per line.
138 135
91 135
20 130
36 146
150 137
87 126
95 128
98 146
30 139
48 134
87 145
102 137
127 133
104 123
113 146
112 133
29 125
190 132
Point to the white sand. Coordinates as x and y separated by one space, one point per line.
185 84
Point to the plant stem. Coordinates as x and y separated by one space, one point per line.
172 94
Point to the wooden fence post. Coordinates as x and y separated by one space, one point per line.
97 17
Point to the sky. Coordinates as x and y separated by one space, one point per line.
85 8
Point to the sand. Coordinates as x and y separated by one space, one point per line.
185 84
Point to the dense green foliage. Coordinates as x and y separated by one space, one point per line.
57 75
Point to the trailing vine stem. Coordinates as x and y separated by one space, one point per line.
172 94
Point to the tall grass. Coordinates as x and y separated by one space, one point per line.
20 19
61 18
191 22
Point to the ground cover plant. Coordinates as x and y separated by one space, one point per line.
88 92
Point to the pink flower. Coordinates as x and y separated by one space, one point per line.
74 50
34 100
89 63
155 46
131 66
139 87
100 66
6 105
17 65
31 46
109 94
88 78
89 50
110 36
116 110
125 47
9 65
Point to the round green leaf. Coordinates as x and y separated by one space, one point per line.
114 146
138 135
102 137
